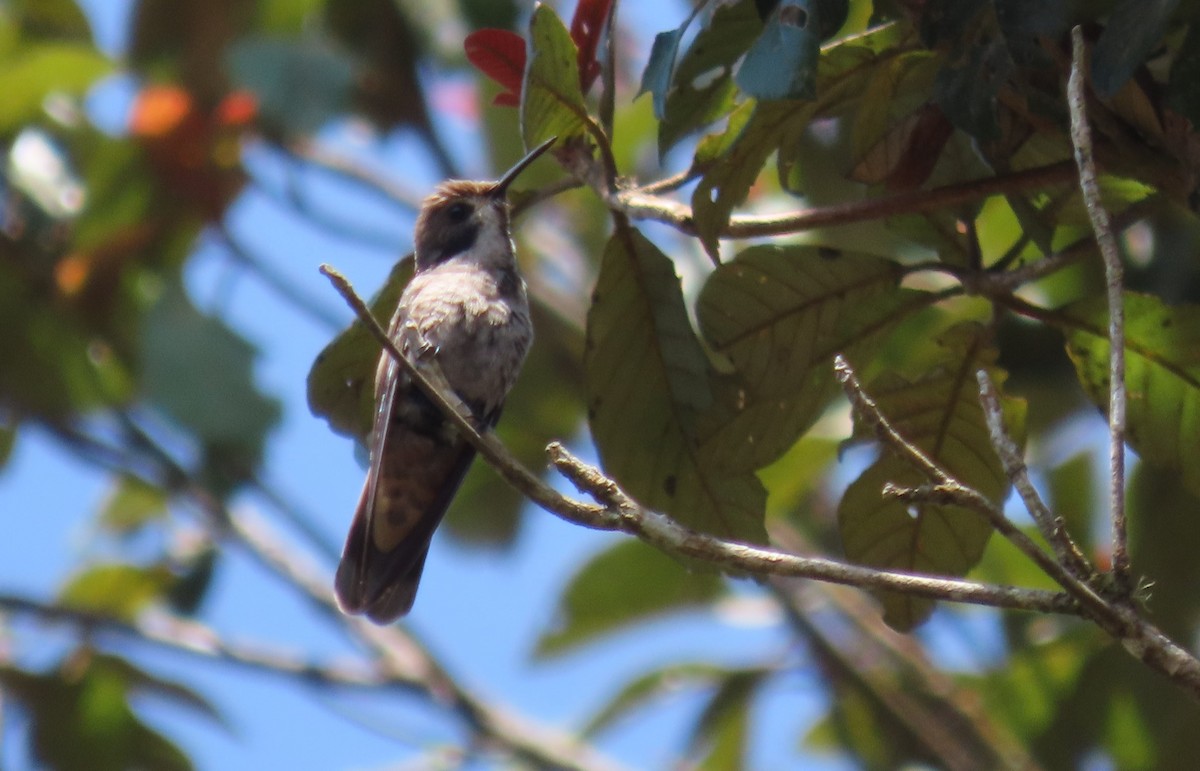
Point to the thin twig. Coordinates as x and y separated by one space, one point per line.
314 155
1081 139
1053 528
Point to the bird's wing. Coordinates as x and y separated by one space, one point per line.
418 461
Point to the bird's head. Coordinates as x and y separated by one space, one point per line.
463 216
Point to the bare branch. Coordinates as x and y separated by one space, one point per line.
1081 139
1053 528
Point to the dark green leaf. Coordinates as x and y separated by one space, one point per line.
299 84
1162 375
780 313
648 382
624 585
116 590
8 439
551 101
132 503
201 373
939 413
1134 29
193 580
1183 87
51 19
341 383
80 717
64 368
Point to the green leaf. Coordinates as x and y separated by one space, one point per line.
624 585
8 440
940 414
131 504
1183 86
648 382
551 100
64 368
782 63
80 718
299 84
201 373
842 73
116 590
780 313
37 69
644 689
341 382
57 19
1162 375
1134 29
702 88
718 740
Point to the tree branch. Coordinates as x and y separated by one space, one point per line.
617 511
1081 140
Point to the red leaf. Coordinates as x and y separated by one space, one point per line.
499 54
586 28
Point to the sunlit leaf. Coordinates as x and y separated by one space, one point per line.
116 590
551 102
624 585
37 69
648 383
1162 375
132 503
939 413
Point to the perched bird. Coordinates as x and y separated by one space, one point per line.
466 307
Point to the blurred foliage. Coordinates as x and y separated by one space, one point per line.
700 365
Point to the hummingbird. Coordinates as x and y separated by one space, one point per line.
467 308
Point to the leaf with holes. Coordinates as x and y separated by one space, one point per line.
648 383
1162 375
780 313
551 101
842 73
701 90
940 414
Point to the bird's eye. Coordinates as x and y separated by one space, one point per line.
459 211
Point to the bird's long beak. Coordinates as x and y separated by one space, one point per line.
501 187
